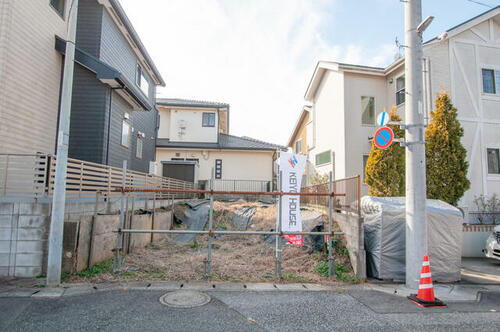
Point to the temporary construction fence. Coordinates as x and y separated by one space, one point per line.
328 194
32 176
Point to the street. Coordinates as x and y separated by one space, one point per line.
345 309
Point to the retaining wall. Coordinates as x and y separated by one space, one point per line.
352 226
24 229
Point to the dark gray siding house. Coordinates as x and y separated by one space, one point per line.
113 116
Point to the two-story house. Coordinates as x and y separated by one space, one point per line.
30 74
113 115
464 61
193 139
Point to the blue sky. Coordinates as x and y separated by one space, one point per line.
258 55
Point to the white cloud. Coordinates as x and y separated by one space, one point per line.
256 55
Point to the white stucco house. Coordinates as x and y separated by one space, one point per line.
193 138
464 61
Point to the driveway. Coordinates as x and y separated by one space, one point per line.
480 270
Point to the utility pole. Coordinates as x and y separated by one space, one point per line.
416 224
59 198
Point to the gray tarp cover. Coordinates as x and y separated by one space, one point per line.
384 226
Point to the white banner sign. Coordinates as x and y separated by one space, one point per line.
291 168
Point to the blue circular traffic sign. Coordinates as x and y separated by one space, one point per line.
383 137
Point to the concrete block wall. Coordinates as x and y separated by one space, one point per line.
24 231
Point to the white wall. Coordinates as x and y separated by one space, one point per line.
357 133
329 122
30 73
164 130
456 68
236 165
194 131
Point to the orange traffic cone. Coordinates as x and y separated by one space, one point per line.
425 297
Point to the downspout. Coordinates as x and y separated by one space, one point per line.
109 123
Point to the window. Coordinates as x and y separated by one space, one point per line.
298 146
142 81
138 150
218 168
400 90
491 81
365 161
59 6
324 158
494 161
126 133
208 120
368 110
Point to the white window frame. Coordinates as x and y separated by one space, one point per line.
141 81
374 112
126 122
495 69
400 90
211 114
299 141
492 175
327 163
139 148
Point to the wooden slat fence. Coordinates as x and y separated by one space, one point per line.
32 176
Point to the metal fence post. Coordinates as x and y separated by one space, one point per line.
117 261
331 257
92 228
153 216
278 228
210 226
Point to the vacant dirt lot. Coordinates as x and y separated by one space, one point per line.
234 258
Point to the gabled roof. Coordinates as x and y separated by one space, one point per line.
323 66
226 142
302 116
189 103
469 23
130 29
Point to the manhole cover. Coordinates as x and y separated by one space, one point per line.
184 299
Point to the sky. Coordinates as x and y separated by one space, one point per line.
259 55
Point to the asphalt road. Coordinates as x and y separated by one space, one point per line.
365 310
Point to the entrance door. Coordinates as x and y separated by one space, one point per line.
181 171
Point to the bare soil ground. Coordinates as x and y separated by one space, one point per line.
234 258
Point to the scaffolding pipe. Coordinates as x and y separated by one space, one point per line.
222 192
278 229
208 269
121 224
171 231
331 258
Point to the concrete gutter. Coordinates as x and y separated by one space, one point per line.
443 291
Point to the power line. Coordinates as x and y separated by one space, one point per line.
481 3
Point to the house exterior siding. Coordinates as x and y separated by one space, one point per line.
98 110
89 117
453 65
30 72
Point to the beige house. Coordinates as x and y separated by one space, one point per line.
30 74
464 61
193 139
